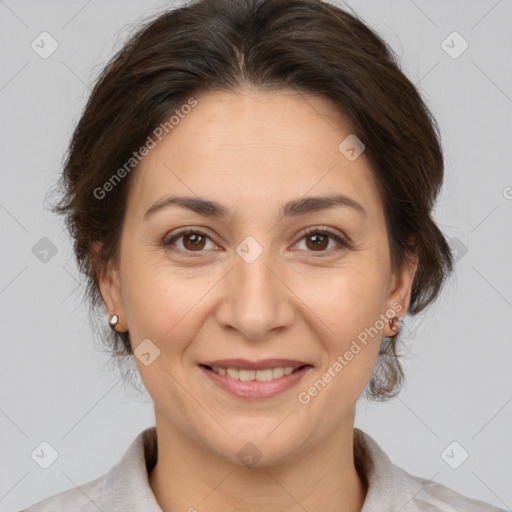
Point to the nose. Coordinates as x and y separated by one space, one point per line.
256 300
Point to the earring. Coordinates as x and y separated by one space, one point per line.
113 321
392 321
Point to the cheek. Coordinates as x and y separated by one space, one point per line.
349 328
346 299
347 307
163 303
361 303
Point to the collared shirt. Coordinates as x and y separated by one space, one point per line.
125 488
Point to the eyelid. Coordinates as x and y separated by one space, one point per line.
341 239
185 231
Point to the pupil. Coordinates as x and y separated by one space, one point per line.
193 239
318 240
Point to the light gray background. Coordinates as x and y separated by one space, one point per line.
54 385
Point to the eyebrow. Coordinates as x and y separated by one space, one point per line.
290 209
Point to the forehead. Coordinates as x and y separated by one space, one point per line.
253 147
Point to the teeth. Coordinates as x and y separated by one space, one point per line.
259 375
233 373
246 375
264 375
277 372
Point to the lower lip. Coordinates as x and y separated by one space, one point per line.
254 389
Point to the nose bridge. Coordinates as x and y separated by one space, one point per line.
256 299
254 280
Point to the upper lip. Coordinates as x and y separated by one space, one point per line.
262 364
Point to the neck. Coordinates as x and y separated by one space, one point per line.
188 476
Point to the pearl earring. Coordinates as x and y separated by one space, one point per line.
392 321
113 321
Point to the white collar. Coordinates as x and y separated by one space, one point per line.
390 488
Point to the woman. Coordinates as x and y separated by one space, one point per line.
250 192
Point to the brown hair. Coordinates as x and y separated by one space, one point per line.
305 45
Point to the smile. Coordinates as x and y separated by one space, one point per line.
255 380
259 375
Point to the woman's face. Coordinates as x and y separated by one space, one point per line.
250 284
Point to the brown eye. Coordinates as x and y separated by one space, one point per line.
192 240
318 241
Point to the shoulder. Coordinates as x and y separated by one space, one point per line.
391 488
436 497
125 487
87 498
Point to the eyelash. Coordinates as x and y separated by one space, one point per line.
309 231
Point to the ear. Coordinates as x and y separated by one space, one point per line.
400 290
110 287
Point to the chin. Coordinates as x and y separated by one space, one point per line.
257 448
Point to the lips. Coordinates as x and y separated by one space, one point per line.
255 379
263 364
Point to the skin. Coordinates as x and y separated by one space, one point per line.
252 152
